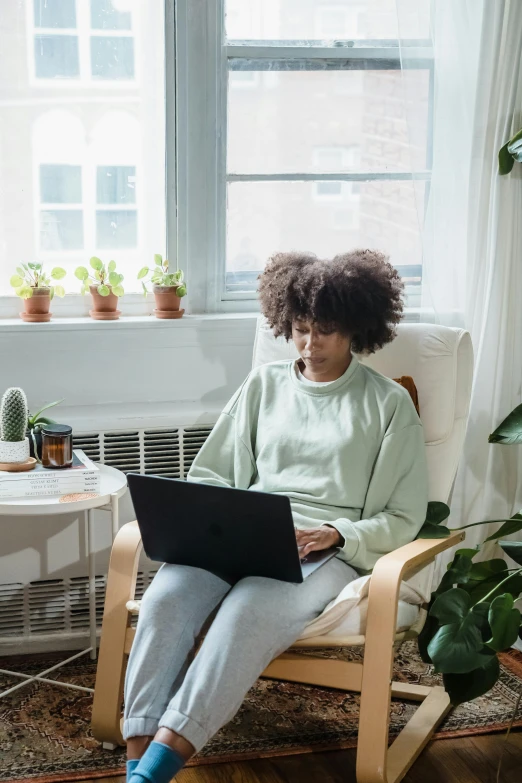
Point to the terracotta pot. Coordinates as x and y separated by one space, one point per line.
36 309
167 301
104 308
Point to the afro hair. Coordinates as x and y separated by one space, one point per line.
358 294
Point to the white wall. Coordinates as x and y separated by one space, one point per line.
120 375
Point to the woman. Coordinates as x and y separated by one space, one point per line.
343 442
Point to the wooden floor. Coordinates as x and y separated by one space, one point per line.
465 760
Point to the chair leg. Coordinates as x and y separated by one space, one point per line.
121 585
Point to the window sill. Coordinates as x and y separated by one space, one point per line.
203 322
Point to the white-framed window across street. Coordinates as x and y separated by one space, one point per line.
81 40
316 154
82 148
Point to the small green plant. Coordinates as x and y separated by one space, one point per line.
104 277
161 275
35 422
13 415
30 276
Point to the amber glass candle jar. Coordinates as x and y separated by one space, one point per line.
57 446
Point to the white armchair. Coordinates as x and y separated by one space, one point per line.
440 361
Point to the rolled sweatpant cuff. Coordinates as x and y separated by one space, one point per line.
139 727
187 727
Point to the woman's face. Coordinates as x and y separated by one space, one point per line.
324 352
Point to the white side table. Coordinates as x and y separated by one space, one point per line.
113 486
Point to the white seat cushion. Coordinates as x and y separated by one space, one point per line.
346 614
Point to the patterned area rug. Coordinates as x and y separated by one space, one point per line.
45 736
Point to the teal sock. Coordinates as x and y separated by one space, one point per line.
131 766
158 764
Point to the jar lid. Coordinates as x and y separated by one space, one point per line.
56 429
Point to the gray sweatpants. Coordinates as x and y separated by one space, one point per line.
256 620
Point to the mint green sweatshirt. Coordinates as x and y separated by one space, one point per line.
350 454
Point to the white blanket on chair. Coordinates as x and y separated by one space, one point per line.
346 614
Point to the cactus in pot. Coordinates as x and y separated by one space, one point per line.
14 445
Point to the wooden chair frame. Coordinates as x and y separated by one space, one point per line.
376 762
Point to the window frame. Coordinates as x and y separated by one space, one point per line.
202 61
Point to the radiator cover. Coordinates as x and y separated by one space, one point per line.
53 614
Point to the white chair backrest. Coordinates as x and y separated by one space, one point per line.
440 361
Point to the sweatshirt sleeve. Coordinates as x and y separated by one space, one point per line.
396 501
226 458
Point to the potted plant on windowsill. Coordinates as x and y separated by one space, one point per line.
168 287
34 287
105 285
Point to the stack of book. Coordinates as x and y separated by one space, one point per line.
82 476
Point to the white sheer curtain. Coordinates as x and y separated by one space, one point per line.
472 259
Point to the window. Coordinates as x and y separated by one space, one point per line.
317 153
82 156
61 214
83 40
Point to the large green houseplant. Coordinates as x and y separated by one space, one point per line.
471 616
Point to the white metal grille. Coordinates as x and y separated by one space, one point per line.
12 615
61 606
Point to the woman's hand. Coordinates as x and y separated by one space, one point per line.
317 538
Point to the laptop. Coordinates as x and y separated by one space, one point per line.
233 533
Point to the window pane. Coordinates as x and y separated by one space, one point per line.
60 184
325 19
60 139
54 13
265 217
359 119
112 58
61 229
105 17
116 228
56 56
116 185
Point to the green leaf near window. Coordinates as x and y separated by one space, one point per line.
96 263
58 273
509 527
504 621
457 573
457 648
469 685
118 290
451 606
111 266
82 273
513 549
515 146
103 290
114 279
510 430
505 160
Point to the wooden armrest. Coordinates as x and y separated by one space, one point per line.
385 583
391 569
